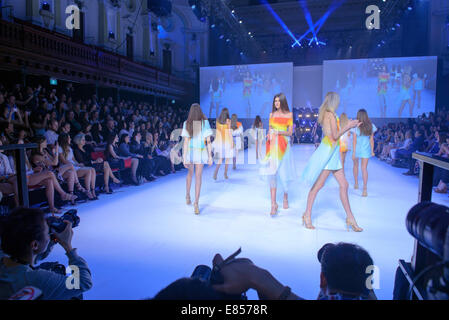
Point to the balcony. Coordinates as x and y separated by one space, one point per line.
43 52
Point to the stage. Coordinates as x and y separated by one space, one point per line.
139 239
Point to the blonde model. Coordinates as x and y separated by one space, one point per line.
326 160
196 150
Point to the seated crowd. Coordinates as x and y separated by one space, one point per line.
84 143
396 142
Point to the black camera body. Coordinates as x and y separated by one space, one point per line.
428 223
57 224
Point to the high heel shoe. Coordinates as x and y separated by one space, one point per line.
196 209
90 195
285 204
307 224
356 186
225 176
215 175
188 200
69 197
274 209
80 188
353 225
364 193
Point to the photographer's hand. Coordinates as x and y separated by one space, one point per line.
65 237
241 274
236 274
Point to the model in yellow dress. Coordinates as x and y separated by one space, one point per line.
223 144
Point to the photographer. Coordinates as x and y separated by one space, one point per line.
343 277
25 235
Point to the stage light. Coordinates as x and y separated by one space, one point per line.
228 40
221 37
193 7
212 26
241 53
233 11
393 28
240 21
410 8
398 25
319 24
249 33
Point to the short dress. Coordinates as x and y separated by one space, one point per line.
382 87
237 136
278 163
419 85
325 157
196 152
222 145
363 146
345 142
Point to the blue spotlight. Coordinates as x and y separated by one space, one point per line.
319 24
279 20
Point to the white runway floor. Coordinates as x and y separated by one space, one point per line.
139 239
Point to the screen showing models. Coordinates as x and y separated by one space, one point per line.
246 90
386 87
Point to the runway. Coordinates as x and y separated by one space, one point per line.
139 239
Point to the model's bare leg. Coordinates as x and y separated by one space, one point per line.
226 169
402 107
412 106
343 158
274 206
189 182
285 204
198 180
355 170
307 217
217 168
365 176
350 220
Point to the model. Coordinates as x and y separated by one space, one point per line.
237 136
216 92
278 161
363 146
223 144
382 89
345 140
405 94
196 150
418 86
247 87
326 159
259 136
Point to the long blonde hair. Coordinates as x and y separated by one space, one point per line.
343 120
331 102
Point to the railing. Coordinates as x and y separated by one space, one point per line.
37 40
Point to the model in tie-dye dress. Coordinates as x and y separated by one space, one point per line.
277 165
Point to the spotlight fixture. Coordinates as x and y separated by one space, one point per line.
240 21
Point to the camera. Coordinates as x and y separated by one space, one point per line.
57 225
428 223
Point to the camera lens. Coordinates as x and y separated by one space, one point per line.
428 222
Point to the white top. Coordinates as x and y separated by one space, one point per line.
5 168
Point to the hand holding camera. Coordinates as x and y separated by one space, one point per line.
65 237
